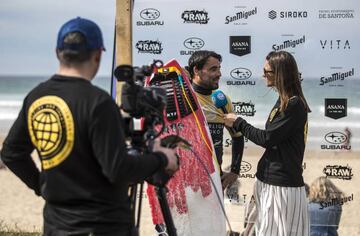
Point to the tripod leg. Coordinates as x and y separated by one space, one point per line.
161 193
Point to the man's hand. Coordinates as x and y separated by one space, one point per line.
172 158
228 178
229 119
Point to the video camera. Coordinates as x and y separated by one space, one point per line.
147 103
137 100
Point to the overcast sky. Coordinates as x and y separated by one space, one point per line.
28 31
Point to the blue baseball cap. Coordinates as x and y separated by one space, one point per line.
89 29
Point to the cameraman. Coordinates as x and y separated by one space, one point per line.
78 132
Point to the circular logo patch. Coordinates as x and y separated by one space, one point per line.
51 128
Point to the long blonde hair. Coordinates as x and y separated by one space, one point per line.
323 189
287 77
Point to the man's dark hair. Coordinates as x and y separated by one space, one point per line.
75 50
199 58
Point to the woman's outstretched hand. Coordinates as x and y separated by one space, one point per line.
229 119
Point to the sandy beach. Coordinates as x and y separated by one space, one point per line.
20 208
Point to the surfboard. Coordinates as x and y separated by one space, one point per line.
195 205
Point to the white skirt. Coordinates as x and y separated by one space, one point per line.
281 211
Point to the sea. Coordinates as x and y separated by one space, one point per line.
13 90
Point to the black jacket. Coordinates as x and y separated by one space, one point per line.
284 142
78 132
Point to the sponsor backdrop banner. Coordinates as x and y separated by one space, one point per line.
324 38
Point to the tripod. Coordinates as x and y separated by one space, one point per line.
159 180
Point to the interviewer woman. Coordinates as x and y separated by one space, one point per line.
279 188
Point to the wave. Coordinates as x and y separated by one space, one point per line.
8 116
10 103
350 110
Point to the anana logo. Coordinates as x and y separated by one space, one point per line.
335 137
149 14
51 129
194 43
240 73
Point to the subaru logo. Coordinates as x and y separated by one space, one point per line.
245 167
240 73
336 137
194 43
149 14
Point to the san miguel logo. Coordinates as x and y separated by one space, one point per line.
244 108
239 16
195 16
336 141
289 43
149 16
240 76
336 201
51 129
338 172
240 45
337 76
192 44
149 46
335 108
335 44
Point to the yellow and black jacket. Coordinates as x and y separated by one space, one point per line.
216 125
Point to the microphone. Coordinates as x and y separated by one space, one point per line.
220 101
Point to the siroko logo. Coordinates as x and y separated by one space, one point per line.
240 73
149 46
272 14
194 43
149 14
287 14
195 16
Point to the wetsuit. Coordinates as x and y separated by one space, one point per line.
78 132
216 125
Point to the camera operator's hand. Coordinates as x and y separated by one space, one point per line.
172 158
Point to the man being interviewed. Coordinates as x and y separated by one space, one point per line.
204 69
78 132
